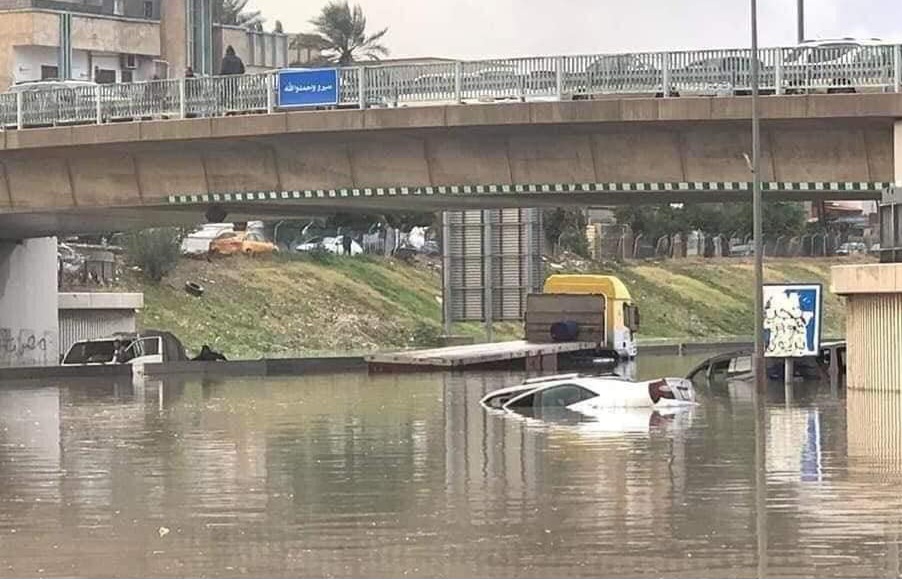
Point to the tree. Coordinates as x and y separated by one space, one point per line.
654 221
278 28
306 47
155 251
565 228
342 31
235 13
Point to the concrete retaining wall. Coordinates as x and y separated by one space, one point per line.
294 366
238 368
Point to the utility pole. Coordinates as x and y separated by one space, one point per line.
758 358
800 23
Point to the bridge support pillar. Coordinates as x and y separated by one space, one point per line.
873 295
29 322
897 153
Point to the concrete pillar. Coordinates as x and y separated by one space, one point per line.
186 36
897 153
29 326
174 35
874 430
873 295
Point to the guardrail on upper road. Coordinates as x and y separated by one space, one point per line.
843 67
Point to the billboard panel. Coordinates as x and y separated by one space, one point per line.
492 260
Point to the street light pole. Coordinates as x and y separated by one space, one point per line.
800 15
758 358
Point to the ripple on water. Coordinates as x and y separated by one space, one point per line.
393 475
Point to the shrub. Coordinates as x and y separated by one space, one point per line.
424 335
154 251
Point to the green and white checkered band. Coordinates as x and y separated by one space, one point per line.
520 189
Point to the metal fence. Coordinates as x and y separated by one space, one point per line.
840 67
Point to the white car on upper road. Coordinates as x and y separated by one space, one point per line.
839 65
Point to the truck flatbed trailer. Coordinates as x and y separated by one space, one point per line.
499 354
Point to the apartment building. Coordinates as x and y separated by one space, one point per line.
110 41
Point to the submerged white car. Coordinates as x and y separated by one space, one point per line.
135 349
590 394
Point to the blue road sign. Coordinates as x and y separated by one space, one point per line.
308 87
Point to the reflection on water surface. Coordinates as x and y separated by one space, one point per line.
355 475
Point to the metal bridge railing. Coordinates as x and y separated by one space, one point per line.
805 69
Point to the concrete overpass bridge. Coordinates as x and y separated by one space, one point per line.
113 176
84 173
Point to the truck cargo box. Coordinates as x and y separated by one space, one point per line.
544 310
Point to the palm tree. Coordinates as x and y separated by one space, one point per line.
233 12
307 50
342 31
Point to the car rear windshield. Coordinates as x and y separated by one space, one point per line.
90 353
822 53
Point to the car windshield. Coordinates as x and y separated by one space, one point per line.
822 53
499 400
618 63
91 353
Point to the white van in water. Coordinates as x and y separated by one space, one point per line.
135 349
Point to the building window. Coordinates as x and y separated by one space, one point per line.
127 76
119 7
104 76
50 72
148 10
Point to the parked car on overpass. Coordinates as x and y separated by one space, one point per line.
623 73
721 76
840 65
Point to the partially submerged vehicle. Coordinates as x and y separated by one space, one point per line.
590 394
146 347
736 366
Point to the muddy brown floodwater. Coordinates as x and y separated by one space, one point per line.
353 475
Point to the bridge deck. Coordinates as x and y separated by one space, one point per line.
474 354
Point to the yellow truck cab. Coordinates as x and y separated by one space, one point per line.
621 315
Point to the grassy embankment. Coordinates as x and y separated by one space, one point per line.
301 306
714 298
296 306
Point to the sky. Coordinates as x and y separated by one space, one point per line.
471 29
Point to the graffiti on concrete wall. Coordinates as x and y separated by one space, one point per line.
23 347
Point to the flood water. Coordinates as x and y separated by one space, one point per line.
406 475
